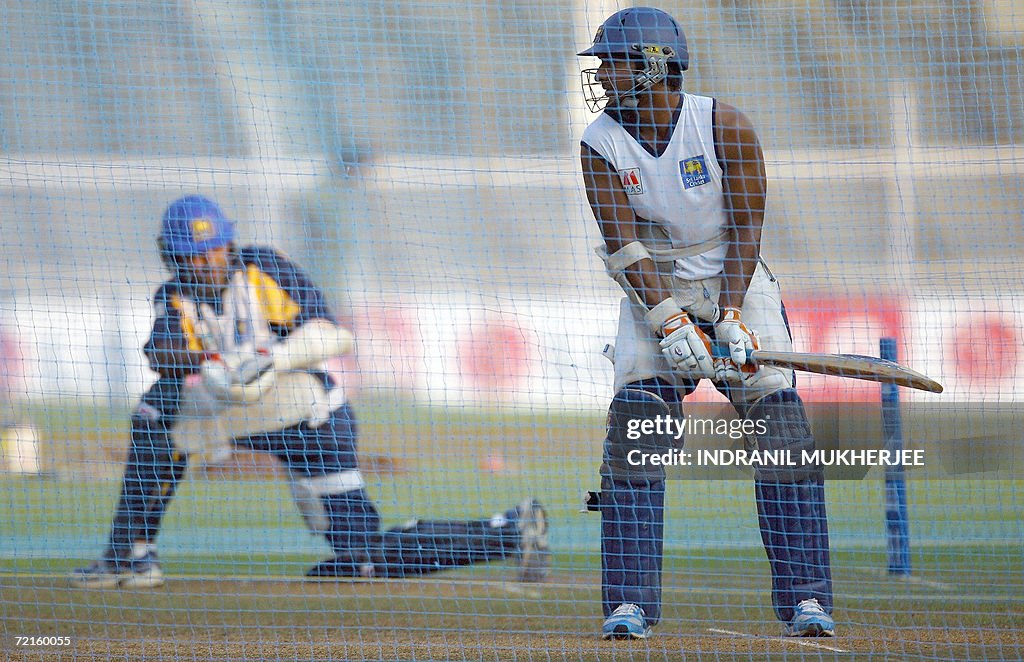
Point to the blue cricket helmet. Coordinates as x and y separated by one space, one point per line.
637 31
193 225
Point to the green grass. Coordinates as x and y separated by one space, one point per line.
968 529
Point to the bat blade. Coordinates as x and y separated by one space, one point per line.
854 366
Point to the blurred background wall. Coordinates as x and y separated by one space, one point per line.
422 156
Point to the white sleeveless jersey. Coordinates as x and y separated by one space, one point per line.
681 190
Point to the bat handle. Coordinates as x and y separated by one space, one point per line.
720 350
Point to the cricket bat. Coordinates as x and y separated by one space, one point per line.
853 366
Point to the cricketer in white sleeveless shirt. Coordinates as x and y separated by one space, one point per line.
681 190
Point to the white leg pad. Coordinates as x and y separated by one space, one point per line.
307 492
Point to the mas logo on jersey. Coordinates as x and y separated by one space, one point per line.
631 181
694 171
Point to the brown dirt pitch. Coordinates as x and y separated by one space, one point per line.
461 617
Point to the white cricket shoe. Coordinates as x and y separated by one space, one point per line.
143 572
810 620
628 621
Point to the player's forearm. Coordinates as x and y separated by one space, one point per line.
740 262
647 282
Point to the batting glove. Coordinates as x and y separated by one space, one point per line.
741 340
239 377
687 348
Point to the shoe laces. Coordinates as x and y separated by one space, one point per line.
627 609
810 604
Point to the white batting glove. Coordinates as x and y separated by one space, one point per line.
741 340
239 377
728 372
687 348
